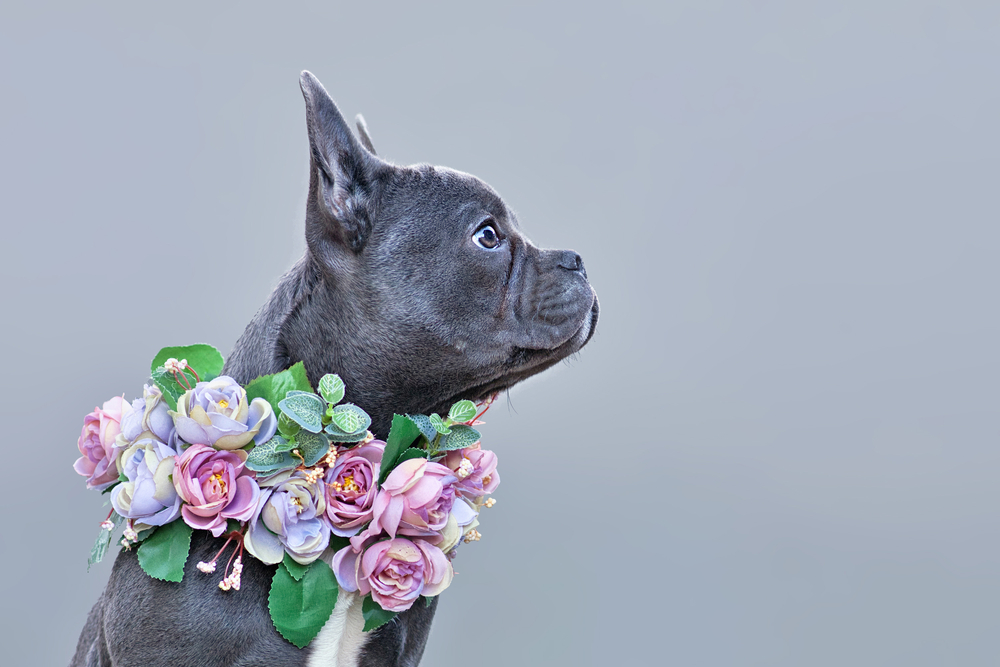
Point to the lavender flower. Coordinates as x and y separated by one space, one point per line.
148 497
217 413
290 517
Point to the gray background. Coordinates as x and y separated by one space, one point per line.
781 446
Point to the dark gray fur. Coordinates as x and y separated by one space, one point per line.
393 294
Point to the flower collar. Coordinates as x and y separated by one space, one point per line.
283 473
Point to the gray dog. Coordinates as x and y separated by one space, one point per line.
418 288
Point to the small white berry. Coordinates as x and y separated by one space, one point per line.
173 366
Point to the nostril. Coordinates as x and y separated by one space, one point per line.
571 261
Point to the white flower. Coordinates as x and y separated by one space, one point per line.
173 366
465 468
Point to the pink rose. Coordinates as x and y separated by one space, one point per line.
351 487
214 486
396 572
476 470
97 442
416 499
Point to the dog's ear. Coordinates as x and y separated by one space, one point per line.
366 138
342 179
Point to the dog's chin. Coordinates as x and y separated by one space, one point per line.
525 362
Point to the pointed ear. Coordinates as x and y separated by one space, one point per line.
342 177
366 139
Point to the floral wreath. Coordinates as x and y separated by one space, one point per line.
285 473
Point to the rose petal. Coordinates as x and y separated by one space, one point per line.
345 567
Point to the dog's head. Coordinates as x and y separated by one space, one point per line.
424 289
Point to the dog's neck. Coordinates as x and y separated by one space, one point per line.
296 325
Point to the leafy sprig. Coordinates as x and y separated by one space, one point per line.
307 422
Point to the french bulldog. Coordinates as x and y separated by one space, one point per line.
418 288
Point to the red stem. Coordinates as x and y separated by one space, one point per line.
489 403
185 384
238 549
222 549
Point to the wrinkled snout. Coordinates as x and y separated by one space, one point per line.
557 305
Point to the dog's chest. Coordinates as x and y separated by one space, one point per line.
339 643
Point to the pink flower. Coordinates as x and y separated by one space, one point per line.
214 486
476 470
396 572
415 499
351 486
97 440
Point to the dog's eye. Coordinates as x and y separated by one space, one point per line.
486 237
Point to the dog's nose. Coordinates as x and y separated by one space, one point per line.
572 261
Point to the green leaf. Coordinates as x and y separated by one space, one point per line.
287 426
204 359
331 388
375 616
411 453
163 554
423 422
462 411
266 457
348 415
295 569
461 436
274 388
439 424
350 419
283 444
313 447
337 542
103 540
305 409
401 435
172 391
299 609
141 536
337 436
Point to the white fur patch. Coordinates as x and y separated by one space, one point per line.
339 642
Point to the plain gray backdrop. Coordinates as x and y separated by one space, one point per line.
781 446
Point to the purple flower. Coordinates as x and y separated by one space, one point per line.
415 499
476 471
215 486
148 413
97 444
290 516
217 413
351 487
462 519
396 572
148 497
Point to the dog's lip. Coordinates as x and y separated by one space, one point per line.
580 337
591 322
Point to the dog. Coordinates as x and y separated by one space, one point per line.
419 289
